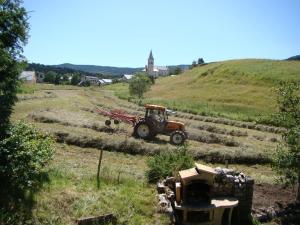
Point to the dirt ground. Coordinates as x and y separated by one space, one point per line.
266 195
276 201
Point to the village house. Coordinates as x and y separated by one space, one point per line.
28 77
127 77
105 81
93 80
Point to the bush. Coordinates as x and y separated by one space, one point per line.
23 156
166 163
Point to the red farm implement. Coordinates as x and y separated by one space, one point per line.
117 116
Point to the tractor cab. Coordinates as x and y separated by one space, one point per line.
156 113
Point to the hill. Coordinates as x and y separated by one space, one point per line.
110 70
105 70
296 57
237 88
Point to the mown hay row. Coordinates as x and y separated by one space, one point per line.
232 155
210 138
127 145
133 146
235 123
218 130
100 127
36 97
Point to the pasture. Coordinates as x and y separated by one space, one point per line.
68 113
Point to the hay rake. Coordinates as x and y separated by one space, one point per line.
117 116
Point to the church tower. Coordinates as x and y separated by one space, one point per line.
150 64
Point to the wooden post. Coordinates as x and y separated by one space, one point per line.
178 194
99 167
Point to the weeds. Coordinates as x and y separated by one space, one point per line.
168 163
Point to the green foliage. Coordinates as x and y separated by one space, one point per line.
167 163
13 35
50 77
23 156
177 70
57 79
139 84
75 79
200 61
287 158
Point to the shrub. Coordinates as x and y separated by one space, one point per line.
23 156
166 163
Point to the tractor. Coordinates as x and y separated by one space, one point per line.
156 122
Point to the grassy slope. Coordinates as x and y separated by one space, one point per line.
239 89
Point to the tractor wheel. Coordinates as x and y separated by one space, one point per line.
143 130
107 122
177 137
116 122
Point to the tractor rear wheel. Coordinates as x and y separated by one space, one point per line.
177 137
143 130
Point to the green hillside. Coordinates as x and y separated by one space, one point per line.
237 89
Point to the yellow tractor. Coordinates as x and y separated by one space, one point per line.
156 122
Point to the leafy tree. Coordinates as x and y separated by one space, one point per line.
75 79
194 64
200 61
287 158
23 157
139 84
13 36
57 79
50 77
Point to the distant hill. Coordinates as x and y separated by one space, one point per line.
236 88
296 57
106 70
45 68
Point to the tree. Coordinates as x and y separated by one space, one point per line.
13 36
194 64
287 158
75 79
50 77
139 84
200 61
57 79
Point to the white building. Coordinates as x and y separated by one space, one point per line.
28 77
153 70
105 81
127 77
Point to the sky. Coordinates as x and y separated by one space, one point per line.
122 32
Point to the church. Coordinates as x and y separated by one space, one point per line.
153 70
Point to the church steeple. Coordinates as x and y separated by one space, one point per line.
150 68
151 56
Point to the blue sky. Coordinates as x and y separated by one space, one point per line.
122 32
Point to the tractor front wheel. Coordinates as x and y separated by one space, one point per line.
177 137
143 130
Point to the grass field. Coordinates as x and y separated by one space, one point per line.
237 89
68 114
